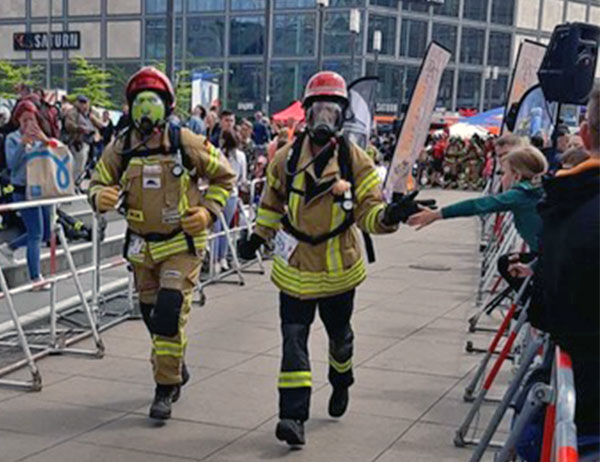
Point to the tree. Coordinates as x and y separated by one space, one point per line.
11 75
183 93
90 80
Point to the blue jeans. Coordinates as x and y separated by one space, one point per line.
37 227
220 244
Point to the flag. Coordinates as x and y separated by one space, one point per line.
361 94
418 119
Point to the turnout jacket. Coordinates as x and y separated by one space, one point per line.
160 187
336 265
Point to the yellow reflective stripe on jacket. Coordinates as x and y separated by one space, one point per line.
213 161
184 204
218 194
340 367
368 183
93 190
272 180
294 201
178 244
334 252
295 379
268 218
371 219
103 173
303 283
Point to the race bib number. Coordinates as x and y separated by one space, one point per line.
285 244
136 246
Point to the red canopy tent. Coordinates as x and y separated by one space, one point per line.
294 111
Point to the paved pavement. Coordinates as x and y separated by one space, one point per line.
405 405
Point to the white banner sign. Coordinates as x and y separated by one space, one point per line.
418 118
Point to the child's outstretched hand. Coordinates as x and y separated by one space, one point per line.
424 218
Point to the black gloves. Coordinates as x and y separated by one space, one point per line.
402 207
248 247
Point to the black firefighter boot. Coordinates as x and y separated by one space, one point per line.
163 398
185 378
338 403
291 431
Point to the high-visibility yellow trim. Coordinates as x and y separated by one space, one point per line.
184 183
103 173
272 180
93 190
340 367
294 201
213 161
334 252
135 215
305 283
371 219
218 194
368 183
295 379
178 244
165 348
268 218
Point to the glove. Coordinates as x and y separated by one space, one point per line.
401 207
107 199
196 220
248 248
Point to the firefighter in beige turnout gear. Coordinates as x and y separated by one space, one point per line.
319 188
154 167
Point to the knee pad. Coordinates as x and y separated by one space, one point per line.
294 331
165 315
341 346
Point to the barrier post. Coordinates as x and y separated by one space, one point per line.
468 396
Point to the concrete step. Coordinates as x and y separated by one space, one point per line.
16 272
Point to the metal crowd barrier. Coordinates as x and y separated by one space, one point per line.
58 342
564 447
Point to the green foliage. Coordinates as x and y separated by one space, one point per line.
183 92
11 75
93 82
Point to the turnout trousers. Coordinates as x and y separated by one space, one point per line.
165 291
295 378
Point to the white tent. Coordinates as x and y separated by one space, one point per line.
464 130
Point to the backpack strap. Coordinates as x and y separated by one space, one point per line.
292 165
345 162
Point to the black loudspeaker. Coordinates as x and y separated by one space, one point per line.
567 71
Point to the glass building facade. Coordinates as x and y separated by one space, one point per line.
235 42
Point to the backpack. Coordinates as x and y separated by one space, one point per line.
345 166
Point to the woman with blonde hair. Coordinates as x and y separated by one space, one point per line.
522 168
522 171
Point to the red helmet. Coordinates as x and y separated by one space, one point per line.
326 84
150 79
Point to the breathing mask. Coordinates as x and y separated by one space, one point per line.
148 111
324 120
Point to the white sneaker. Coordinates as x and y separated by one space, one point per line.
224 265
40 284
217 268
8 253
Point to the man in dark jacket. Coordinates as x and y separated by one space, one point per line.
260 132
568 271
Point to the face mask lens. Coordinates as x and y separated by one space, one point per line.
326 113
148 110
